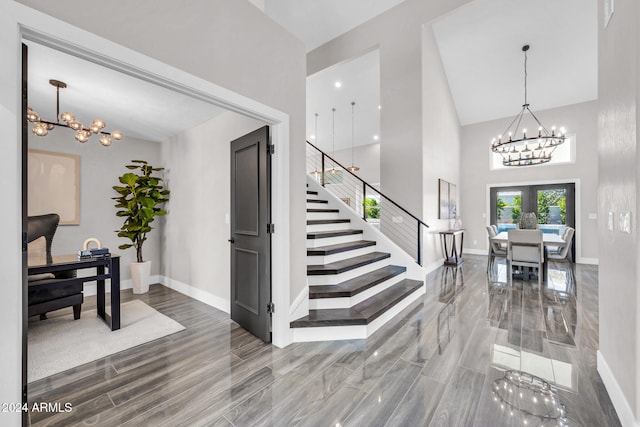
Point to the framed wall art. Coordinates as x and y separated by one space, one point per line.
447 200
54 185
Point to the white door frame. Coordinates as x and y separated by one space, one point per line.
72 40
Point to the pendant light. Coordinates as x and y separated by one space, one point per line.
83 133
352 168
317 171
333 140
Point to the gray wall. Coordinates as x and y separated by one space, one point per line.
617 192
228 42
100 168
580 119
440 143
412 86
195 250
11 215
366 157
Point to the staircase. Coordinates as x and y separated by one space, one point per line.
354 286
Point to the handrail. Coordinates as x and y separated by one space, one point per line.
419 222
366 183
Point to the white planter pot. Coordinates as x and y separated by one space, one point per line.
141 276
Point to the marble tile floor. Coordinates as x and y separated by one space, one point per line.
436 364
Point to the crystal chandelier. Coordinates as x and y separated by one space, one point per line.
42 127
534 149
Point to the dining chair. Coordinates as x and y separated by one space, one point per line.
525 249
563 253
495 249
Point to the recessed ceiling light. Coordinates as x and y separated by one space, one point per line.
376 137
379 107
338 85
312 137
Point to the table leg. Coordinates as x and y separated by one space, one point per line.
114 270
100 298
545 268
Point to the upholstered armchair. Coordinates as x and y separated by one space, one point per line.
51 291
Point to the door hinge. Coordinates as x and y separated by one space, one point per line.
271 228
271 149
271 308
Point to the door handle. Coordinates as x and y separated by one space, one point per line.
232 240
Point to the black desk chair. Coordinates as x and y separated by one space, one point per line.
45 293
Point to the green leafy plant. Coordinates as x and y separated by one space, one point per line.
139 200
372 208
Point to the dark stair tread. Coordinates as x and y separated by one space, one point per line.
323 210
346 264
340 247
354 286
327 221
315 193
362 313
332 233
317 201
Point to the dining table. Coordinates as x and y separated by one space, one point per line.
548 240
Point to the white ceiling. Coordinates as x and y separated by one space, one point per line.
360 83
480 46
315 22
137 108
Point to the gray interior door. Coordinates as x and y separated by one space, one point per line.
251 233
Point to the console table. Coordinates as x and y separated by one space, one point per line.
453 256
71 262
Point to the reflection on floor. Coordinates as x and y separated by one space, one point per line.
438 364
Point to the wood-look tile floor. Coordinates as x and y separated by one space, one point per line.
435 365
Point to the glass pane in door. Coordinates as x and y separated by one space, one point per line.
552 209
508 209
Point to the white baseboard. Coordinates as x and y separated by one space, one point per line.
433 266
623 409
300 306
590 261
474 252
195 293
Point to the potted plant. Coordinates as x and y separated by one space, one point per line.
140 197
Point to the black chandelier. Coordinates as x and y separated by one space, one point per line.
534 149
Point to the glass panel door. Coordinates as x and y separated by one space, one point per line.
508 209
552 209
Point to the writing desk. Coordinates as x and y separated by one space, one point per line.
106 268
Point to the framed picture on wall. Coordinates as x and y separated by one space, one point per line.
443 199
54 185
453 204
447 200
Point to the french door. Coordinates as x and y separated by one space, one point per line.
553 204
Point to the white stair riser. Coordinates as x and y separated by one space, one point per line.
317 205
333 279
329 333
328 227
346 302
323 215
332 333
315 243
328 259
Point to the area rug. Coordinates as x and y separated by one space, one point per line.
60 343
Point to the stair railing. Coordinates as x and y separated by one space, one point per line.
394 221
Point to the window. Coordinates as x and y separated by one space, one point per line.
564 153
